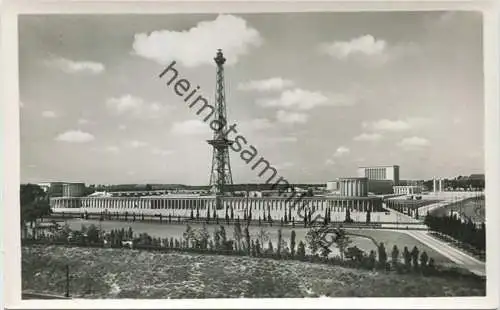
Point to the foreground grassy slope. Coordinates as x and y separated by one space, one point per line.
119 273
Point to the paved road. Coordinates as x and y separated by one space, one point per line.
464 260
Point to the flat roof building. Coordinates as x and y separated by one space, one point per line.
390 172
73 189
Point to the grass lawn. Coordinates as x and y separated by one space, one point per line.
400 239
472 208
120 273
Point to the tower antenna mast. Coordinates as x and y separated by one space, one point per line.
220 174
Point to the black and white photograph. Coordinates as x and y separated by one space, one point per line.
249 155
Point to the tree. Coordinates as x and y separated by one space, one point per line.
270 247
292 243
217 239
34 203
237 235
203 237
301 250
223 238
247 239
148 187
371 260
262 235
355 254
188 235
257 247
342 241
348 218
423 259
414 257
431 264
280 239
253 250
407 257
314 240
382 255
395 255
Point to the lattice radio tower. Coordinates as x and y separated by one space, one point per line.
220 175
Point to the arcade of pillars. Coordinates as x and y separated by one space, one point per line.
438 185
201 203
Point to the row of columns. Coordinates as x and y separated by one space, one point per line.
437 185
407 190
354 187
228 202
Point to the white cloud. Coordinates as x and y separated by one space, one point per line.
291 117
71 66
198 45
75 136
302 100
330 162
368 137
83 121
191 127
161 152
396 125
275 83
364 45
122 127
135 106
387 125
256 124
296 99
49 114
136 144
413 143
341 151
368 50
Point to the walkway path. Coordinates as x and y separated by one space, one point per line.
472 264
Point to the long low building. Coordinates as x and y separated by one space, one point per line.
166 204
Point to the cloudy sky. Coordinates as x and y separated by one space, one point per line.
317 94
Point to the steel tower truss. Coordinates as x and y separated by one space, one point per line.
220 175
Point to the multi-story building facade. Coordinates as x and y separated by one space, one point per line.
73 189
380 173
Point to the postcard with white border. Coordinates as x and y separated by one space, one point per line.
248 155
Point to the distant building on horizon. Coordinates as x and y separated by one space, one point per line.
380 173
73 189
